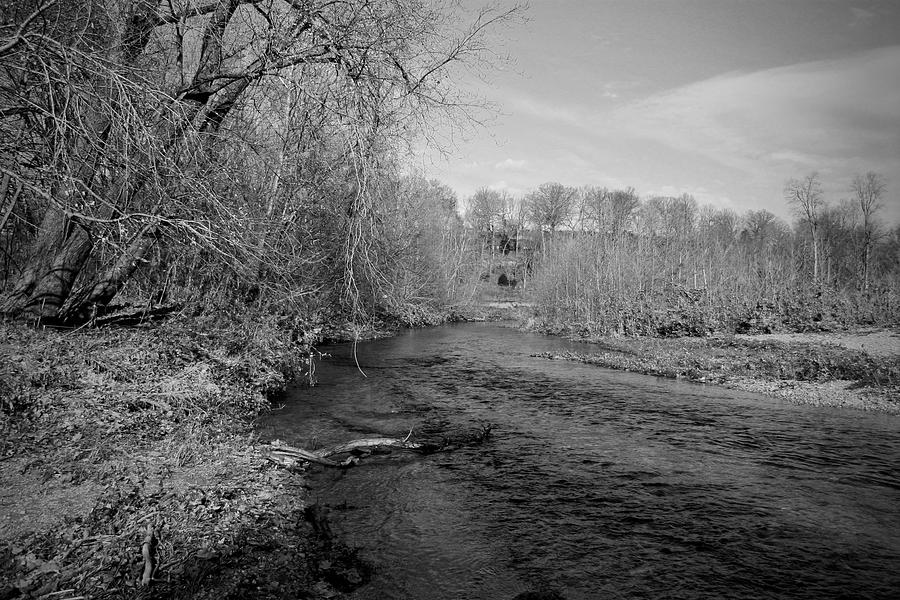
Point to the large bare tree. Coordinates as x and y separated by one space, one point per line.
113 114
550 206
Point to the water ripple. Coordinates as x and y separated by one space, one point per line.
599 483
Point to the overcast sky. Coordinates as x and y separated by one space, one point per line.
722 99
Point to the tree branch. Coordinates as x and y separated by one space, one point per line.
12 203
196 11
18 36
288 455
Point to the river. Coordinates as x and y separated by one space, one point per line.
595 483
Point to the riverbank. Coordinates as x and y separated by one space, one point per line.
106 434
859 369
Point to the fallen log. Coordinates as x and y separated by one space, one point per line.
372 443
286 455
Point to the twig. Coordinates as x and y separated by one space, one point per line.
18 36
58 593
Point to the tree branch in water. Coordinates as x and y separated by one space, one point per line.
286 455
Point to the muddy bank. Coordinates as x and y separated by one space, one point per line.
106 435
858 369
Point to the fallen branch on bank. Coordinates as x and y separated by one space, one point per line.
286 455
148 552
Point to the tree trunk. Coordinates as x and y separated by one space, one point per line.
4 188
866 255
57 257
815 243
63 246
54 282
84 302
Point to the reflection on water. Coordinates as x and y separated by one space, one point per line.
597 483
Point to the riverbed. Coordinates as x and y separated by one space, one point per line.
595 483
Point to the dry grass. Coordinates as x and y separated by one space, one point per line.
804 372
105 432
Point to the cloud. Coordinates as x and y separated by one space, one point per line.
826 114
861 16
524 105
503 186
732 140
793 156
510 164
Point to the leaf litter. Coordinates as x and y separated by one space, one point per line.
106 434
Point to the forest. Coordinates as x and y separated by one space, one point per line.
606 261
222 153
204 157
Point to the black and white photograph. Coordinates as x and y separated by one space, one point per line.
449 299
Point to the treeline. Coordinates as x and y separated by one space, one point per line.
603 260
227 154
240 155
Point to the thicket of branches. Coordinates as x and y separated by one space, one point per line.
608 261
219 151
247 152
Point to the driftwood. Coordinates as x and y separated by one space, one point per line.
148 552
286 455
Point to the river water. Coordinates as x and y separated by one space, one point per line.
595 483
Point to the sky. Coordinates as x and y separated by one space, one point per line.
722 99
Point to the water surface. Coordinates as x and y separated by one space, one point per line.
596 483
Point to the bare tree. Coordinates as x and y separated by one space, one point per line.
115 116
838 259
719 227
758 227
623 204
550 206
593 207
806 199
484 213
868 191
